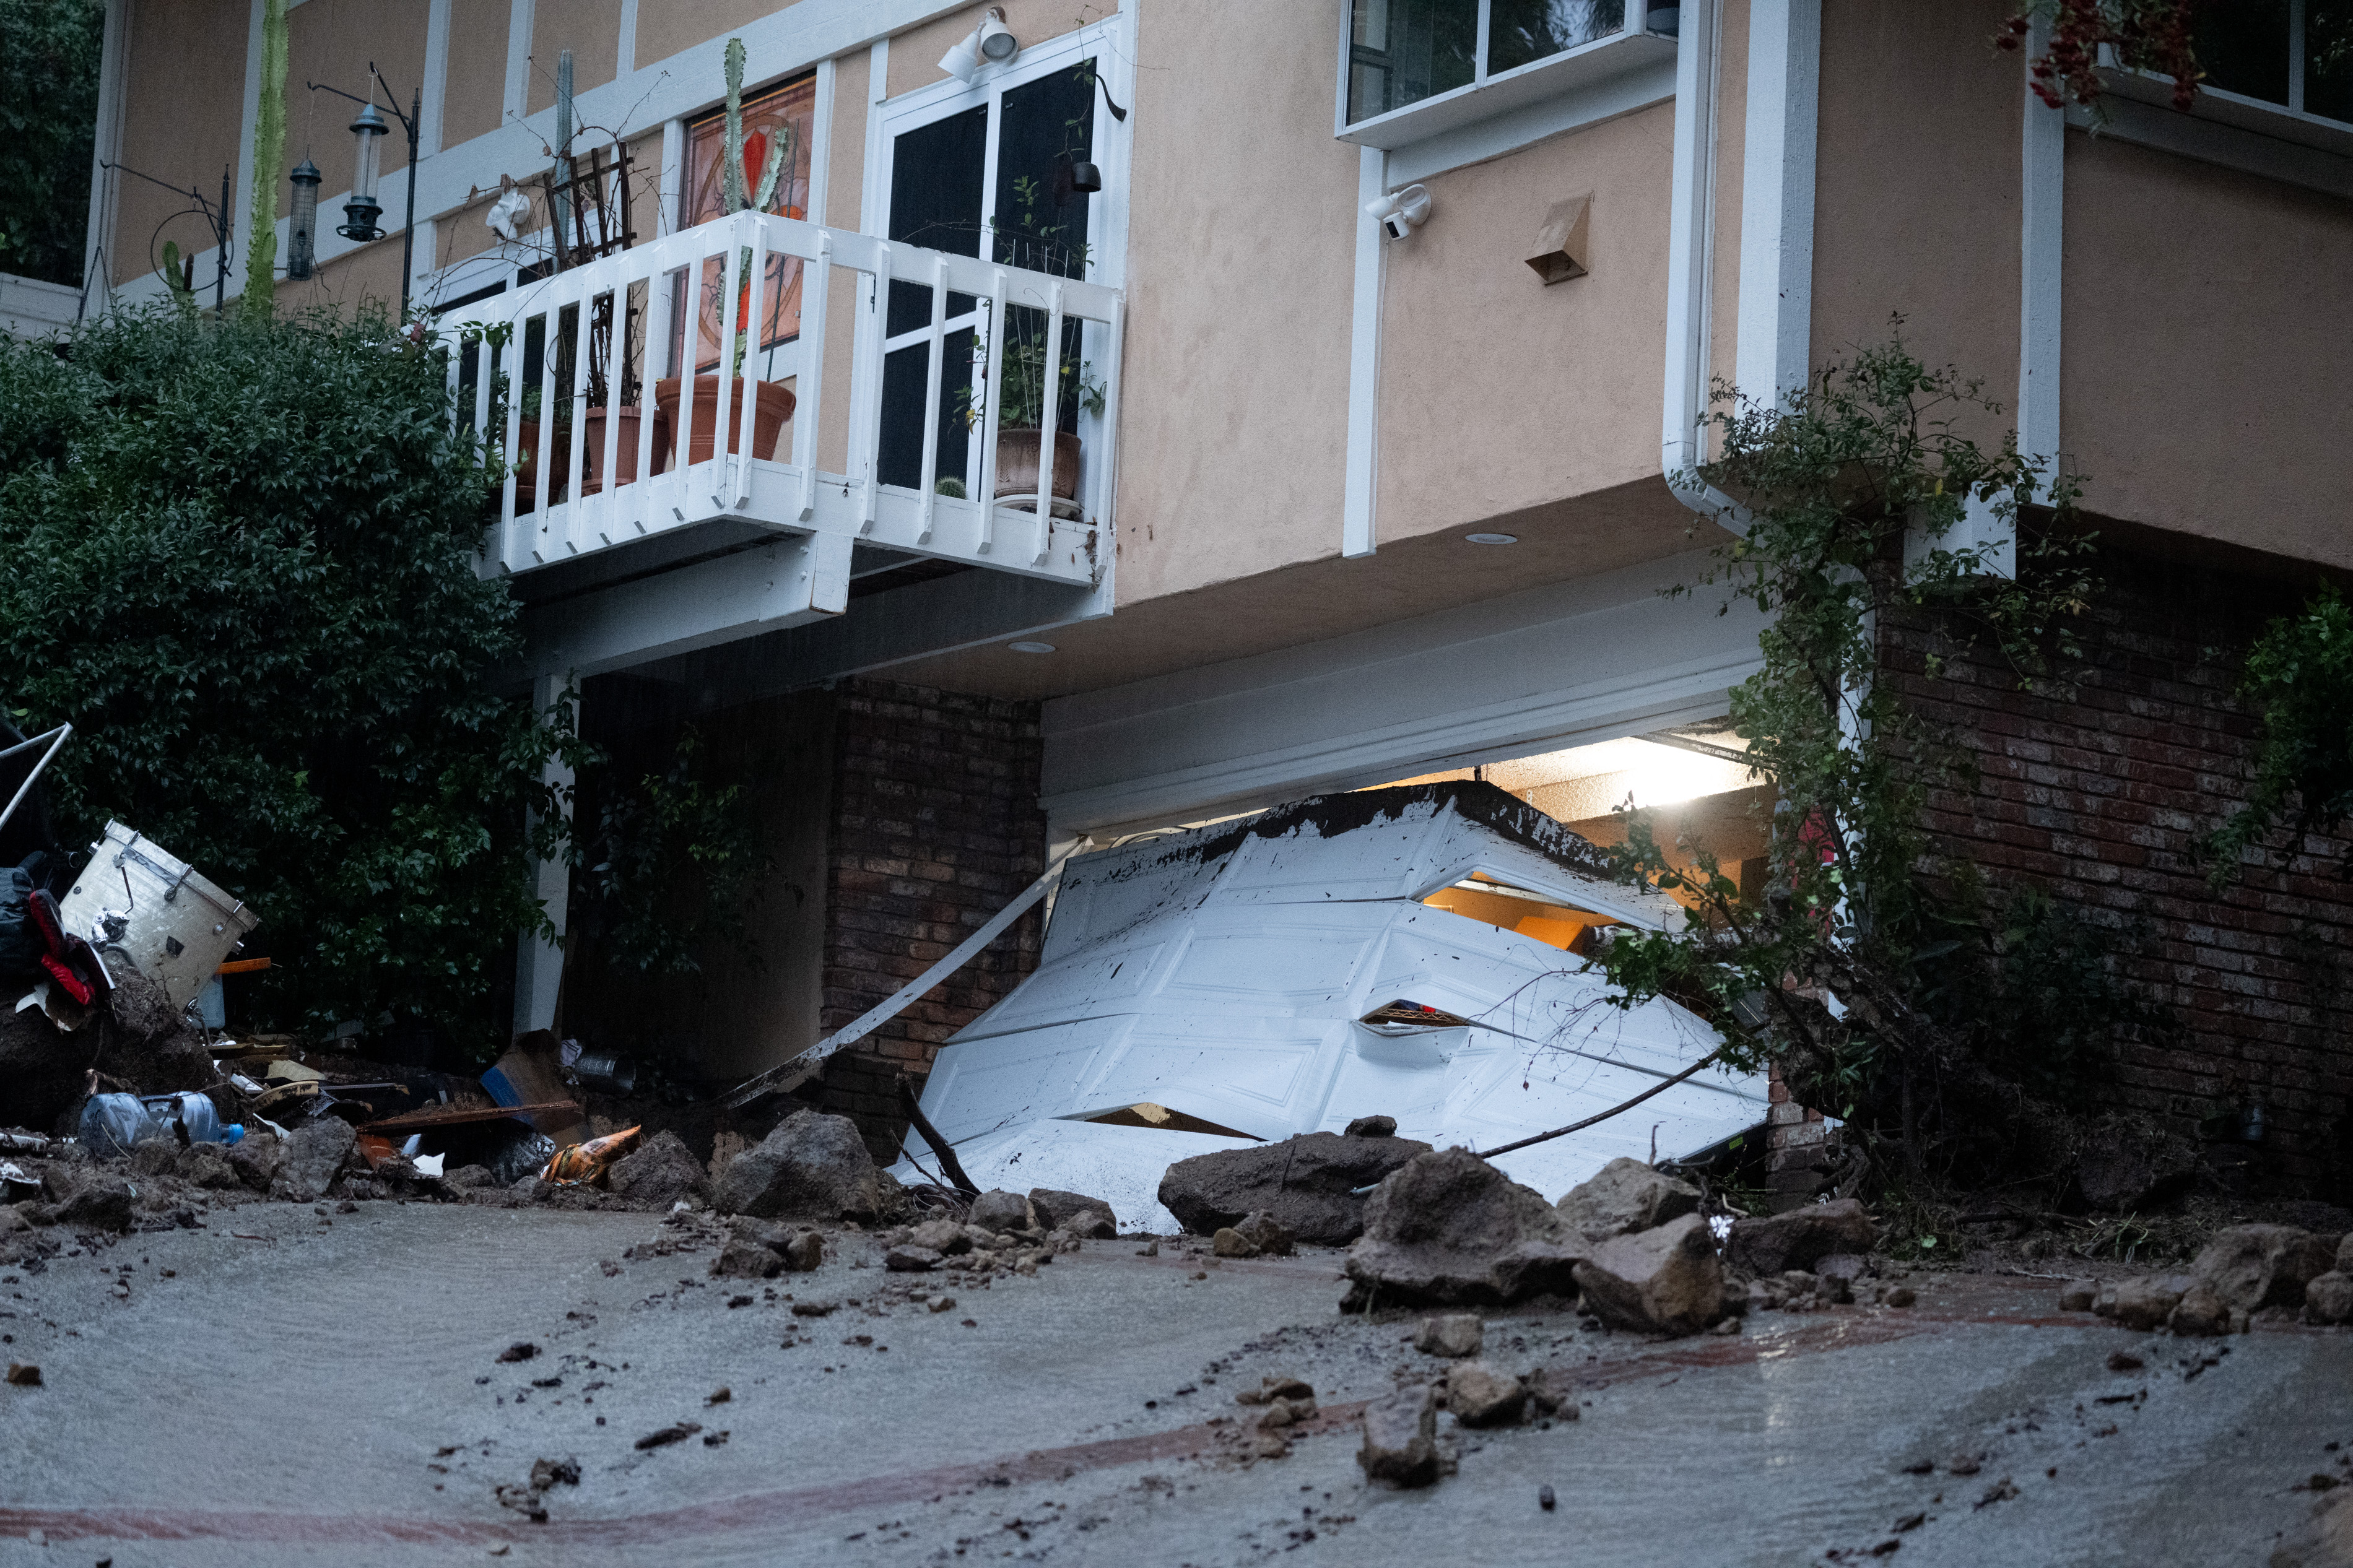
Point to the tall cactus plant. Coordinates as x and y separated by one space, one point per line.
260 295
782 150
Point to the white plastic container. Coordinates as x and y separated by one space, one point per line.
176 926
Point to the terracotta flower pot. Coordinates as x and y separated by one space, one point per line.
625 461
775 406
526 467
1016 464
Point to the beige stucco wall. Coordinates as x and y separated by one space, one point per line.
591 29
475 82
331 42
1499 393
916 53
185 95
2203 348
666 27
1916 205
1240 268
370 275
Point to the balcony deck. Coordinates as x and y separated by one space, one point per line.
822 496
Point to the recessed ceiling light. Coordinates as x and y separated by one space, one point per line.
1491 538
1030 646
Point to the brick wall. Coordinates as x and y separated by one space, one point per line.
2101 792
934 826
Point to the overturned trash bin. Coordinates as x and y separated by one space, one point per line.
176 926
1293 972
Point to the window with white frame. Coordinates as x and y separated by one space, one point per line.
1404 53
993 170
2295 54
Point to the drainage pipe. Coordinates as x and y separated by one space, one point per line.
1690 248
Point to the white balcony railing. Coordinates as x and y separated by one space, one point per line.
919 474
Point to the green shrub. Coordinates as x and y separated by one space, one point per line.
241 558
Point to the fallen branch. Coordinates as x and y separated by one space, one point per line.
931 1135
1613 1111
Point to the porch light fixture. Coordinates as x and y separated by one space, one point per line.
1401 212
303 229
1490 539
1030 646
362 209
992 41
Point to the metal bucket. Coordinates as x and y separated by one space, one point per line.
175 925
607 1072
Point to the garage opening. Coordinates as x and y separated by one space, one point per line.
1696 781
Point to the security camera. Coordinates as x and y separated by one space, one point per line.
1401 212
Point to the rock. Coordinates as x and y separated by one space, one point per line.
1451 1334
2330 1298
1898 1296
804 1251
746 1260
999 1211
1800 1238
1307 1183
2325 1540
812 1166
1371 1127
468 1176
1089 1224
911 1259
658 1173
156 1157
2201 1312
1844 1266
1257 1235
97 1203
944 1236
1449 1229
2078 1295
1625 1197
1553 1391
315 1158
209 1166
2345 1254
2145 1301
1666 1279
1055 1210
257 1158
1401 1438
2251 1267
1479 1397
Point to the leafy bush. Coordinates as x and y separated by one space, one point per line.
2299 677
240 559
48 109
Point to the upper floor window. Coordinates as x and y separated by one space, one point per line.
1412 68
2297 54
1403 51
788 115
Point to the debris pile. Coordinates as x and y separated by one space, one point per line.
1001 1232
2244 1270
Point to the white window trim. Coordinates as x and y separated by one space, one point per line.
2223 129
1540 86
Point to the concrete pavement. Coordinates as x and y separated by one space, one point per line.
297 1391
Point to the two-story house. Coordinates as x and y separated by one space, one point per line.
1369 332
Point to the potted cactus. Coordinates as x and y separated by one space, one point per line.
775 402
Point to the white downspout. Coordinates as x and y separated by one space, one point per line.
1690 232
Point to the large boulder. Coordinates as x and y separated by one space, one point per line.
1666 1279
813 1167
1308 1183
1626 1196
1055 1208
1401 1438
2255 1265
999 1212
1448 1228
658 1173
2128 1161
315 1158
1798 1238
2329 1298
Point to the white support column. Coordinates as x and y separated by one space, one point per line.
1777 201
539 964
518 88
436 78
625 58
1365 362
2043 165
820 141
98 246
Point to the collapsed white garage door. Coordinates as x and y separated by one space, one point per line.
1226 974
